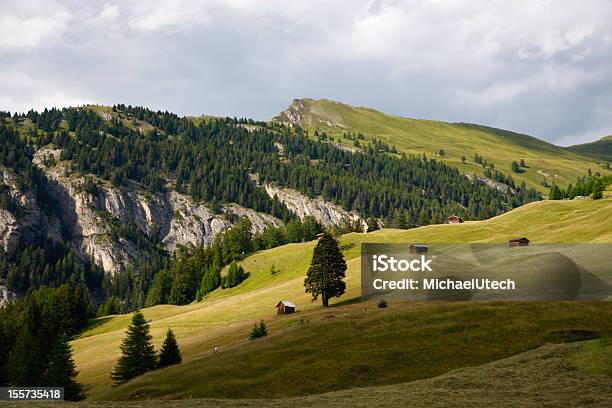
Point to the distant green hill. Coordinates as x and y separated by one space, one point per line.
600 149
544 160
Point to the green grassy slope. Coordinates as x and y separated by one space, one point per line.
600 149
363 345
547 376
544 160
224 318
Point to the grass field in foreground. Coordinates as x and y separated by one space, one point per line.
224 318
361 345
544 160
544 377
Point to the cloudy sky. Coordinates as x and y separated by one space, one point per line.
538 67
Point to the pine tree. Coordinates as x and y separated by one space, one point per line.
169 353
25 361
327 270
259 330
61 371
555 193
138 354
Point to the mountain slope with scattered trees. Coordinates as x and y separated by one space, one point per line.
457 144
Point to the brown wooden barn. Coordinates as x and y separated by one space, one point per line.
454 219
518 242
285 307
418 249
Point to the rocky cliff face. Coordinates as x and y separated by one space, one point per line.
91 219
323 211
193 223
6 295
27 221
90 212
504 188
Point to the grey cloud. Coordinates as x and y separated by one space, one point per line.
539 68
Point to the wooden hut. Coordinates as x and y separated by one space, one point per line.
518 242
418 249
285 307
454 219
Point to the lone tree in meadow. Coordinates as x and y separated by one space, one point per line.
138 355
327 270
169 353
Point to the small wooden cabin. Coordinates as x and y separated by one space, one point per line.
454 219
518 242
285 307
418 249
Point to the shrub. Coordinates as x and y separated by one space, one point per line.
382 303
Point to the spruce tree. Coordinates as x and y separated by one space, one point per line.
555 193
61 370
138 355
26 360
259 330
327 270
169 353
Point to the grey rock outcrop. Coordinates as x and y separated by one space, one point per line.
92 218
323 211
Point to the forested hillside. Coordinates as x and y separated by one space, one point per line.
220 160
95 189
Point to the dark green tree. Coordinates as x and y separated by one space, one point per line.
26 361
138 355
170 352
235 275
160 288
61 371
555 193
327 270
515 167
259 330
211 280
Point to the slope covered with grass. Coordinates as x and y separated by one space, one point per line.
298 344
546 376
600 149
544 161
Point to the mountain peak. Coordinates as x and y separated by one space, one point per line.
306 112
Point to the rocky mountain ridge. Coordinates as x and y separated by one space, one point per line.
88 215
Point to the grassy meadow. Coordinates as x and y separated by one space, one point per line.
366 345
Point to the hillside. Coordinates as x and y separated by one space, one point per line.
119 189
223 319
555 372
600 149
544 161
